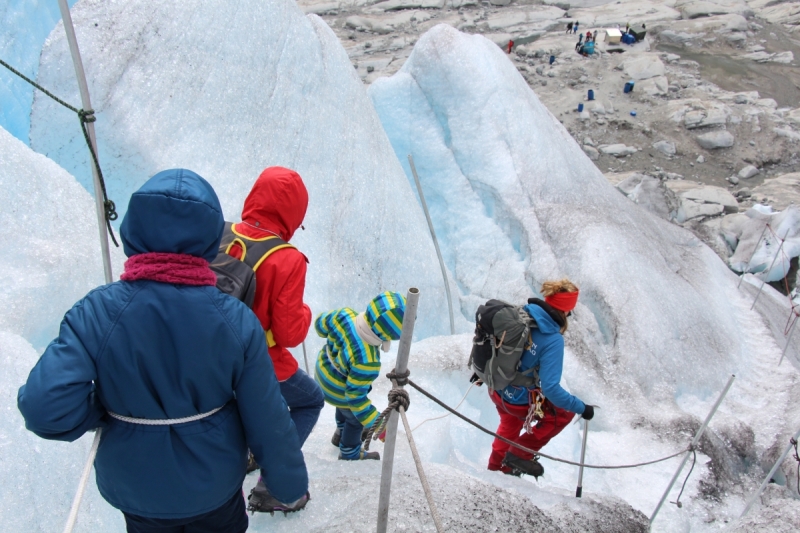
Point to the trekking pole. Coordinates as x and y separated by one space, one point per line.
763 282
76 502
403 350
579 490
771 473
305 357
696 439
435 244
87 105
754 253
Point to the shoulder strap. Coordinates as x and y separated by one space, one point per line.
254 251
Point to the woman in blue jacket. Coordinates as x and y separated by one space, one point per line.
547 405
175 372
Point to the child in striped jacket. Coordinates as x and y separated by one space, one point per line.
349 363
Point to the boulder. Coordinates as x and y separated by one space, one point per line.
643 67
657 86
783 190
712 195
617 150
665 147
592 152
690 209
715 139
748 172
649 193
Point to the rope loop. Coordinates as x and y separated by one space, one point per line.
400 377
87 115
399 398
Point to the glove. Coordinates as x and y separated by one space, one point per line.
476 379
588 413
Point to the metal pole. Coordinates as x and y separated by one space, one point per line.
754 253
770 268
435 244
579 490
788 338
769 476
86 103
305 357
403 350
76 502
696 439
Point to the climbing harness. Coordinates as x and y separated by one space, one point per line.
86 116
535 412
165 421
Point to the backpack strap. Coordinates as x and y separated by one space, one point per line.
254 251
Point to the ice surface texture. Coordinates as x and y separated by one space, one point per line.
31 23
227 92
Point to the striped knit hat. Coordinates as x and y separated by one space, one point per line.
384 315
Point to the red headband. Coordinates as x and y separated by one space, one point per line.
563 301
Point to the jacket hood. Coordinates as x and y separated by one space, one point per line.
543 319
277 202
176 211
385 315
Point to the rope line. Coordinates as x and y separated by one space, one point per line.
397 398
85 116
472 385
796 458
535 452
694 460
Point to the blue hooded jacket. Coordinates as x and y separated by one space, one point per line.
153 350
547 352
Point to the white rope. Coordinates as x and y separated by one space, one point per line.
76 502
164 421
446 414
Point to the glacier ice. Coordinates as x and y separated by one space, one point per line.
659 328
226 93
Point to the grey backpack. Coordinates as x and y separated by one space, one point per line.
502 333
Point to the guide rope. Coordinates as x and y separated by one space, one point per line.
397 398
85 116
678 499
796 458
539 453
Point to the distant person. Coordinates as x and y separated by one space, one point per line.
139 356
579 44
547 402
575 27
569 27
349 363
273 211
627 27
510 45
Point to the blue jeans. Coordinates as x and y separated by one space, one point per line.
231 517
350 441
305 401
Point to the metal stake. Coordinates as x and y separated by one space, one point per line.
403 350
754 253
789 337
769 476
305 357
770 268
435 244
86 103
579 490
696 439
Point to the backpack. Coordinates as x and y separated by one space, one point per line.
237 277
502 333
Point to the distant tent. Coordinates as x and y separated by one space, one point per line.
612 36
638 31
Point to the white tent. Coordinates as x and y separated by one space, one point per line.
612 36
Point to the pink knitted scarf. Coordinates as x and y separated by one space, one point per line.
180 269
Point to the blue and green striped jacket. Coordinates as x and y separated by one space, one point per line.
347 366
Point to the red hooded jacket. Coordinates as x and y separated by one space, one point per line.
276 206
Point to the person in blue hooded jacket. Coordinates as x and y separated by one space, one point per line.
547 404
174 372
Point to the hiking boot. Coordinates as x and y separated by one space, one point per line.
261 501
252 465
337 436
518 465
362 455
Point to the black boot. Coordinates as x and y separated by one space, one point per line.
518 465
261 501
337 436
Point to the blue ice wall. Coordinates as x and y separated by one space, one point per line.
26 24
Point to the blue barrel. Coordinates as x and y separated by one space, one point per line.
580 108
628 87
633 113
552 59
591 95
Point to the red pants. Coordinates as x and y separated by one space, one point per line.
512 418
